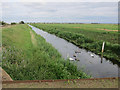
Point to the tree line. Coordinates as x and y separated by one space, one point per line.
3 23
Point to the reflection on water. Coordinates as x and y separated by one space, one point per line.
102 58
93 64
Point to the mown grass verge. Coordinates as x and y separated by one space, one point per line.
23 60
111 50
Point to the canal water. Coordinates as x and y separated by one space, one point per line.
89 62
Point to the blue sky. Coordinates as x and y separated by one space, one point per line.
82 12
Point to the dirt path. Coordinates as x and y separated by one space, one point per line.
108 30
33 39
5 76
94 83
102 29
7 26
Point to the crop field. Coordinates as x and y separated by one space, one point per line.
88 36
27 56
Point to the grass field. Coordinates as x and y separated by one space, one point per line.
88 36
27 56
104 32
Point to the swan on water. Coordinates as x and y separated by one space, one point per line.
77 52
77 59
71 59
74 55
91 55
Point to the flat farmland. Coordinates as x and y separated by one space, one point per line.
105 32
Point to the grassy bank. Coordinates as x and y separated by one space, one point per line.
88 36
27 56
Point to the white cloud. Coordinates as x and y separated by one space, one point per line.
72 9
61 11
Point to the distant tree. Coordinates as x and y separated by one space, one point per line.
3 23
21 22
13 23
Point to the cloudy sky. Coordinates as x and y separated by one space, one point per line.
82 12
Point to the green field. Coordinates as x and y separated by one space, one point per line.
27 56
88 36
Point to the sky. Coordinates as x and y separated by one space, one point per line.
60 12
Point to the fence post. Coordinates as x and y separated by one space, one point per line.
103 46
102 51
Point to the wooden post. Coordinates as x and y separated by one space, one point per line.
103 47
102 51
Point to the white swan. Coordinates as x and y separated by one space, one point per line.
92 55
71 59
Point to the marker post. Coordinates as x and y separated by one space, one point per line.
102 51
